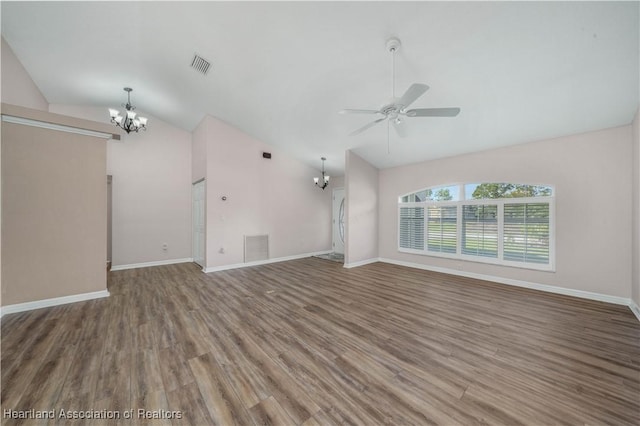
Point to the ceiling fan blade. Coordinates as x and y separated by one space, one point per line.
362 129
400 127
433 112
413 92
359 111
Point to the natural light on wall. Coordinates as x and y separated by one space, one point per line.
501 223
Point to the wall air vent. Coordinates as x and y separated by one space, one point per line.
256 247
200 64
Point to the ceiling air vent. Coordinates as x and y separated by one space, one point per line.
200 64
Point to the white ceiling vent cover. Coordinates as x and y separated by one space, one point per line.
200 64
256 247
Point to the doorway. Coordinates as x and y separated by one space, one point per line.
198 221
338 221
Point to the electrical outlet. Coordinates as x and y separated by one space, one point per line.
165 246
221 251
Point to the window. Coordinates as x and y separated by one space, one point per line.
441 229
526 232
441 193
480 230
412 228
503 223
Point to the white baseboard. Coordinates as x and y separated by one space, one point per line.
635 309
45 303
518 283
263 262
149 264
361 262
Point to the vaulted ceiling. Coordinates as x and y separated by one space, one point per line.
281 72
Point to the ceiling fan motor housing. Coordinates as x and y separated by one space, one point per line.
392 109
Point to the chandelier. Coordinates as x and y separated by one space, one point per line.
129 121
325 178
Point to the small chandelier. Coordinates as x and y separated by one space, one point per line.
325 178
129 122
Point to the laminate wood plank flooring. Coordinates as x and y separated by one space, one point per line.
307 342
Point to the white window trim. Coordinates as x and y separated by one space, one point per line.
500 202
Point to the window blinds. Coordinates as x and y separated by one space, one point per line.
442 232
480 230
411 229
526 232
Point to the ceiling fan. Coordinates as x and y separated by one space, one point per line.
396 108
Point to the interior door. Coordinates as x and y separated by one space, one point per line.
338 220
198 223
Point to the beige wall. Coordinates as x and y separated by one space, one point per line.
592 176
361 210
275 197
335 182
17 86
151 189
54 214
636 210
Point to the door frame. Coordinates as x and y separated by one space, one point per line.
335 231
194 186
109 221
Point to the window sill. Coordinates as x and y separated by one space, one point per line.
483 260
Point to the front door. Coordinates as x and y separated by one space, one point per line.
338 220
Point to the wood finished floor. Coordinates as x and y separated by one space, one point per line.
308 342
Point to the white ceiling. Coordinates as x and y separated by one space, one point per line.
282 71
